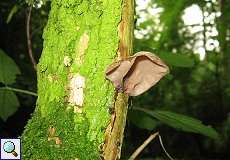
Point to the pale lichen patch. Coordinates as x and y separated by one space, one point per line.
76 88
82 46
77 109
67 61
52 137
50 78
56 139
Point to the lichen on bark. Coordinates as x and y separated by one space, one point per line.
74 135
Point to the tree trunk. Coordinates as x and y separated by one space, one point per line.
72 118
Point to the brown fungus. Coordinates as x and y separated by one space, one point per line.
136 74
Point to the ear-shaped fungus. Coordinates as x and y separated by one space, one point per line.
136 74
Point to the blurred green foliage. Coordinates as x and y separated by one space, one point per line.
198 88
8 100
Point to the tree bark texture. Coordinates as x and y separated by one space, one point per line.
72 118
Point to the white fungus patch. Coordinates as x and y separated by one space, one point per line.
76 97
67 61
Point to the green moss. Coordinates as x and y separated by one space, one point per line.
74 143
81 134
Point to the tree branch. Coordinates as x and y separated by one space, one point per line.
19 91
142 147
115 130
29 44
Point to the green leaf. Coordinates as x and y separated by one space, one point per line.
178 60
8 104
142 120
12 12
8 69
182 122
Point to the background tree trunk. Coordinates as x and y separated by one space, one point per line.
72 119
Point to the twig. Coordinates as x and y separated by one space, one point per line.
19 90
29 44
146 142
162 146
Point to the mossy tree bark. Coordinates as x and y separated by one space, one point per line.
72 119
